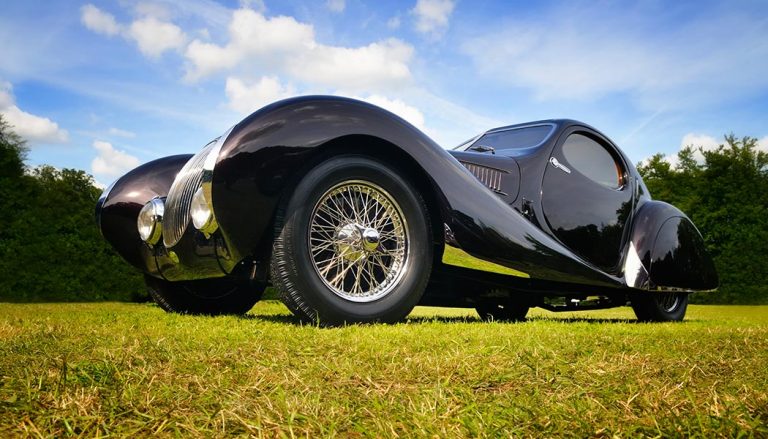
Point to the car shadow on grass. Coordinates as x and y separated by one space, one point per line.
582 319
426 320
274 318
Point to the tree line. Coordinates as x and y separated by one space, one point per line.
51 248
725 193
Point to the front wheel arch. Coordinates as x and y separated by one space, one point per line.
381 150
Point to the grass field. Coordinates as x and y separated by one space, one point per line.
130 369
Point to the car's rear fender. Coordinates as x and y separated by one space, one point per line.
666 252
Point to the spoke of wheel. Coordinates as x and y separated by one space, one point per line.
339 209
323 247
372 282
366 200
343 274
384 220
357 288
388 252
349 198
381 264
333 214
334 261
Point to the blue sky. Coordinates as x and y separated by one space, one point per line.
106 85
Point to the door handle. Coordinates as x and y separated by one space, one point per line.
559 165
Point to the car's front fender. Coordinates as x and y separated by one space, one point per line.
119 206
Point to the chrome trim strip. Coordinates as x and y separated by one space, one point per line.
635 274
213 156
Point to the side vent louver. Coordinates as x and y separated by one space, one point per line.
490 177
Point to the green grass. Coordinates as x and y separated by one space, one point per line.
128 369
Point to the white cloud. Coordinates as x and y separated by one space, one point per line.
284 46
704 142
336 5
99 21
6 95
29 126
246 98
586 52
432 15
152 34
34 128
697 142
111 162
762 144
709 143
155 37
379 65
251 35
152 9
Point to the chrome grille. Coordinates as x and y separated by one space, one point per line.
179 200
490 177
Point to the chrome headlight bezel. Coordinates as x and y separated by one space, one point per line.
149 222
201 210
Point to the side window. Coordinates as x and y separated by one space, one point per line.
593 161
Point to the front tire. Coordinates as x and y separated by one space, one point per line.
353 244
660 307
206 296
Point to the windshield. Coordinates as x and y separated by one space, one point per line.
463 145
513 138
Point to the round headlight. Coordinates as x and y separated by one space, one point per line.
202 215
150 221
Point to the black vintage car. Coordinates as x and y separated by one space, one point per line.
354 215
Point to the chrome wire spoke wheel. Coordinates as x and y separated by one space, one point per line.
668 301
358 241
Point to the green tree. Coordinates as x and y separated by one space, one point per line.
725 193
50 247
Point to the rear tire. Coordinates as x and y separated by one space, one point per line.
659 307
206 296
502 311
353 244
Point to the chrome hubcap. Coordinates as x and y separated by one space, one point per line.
668 301
353 241
358 241
370 239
